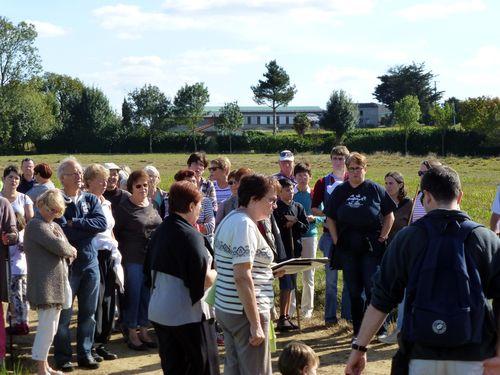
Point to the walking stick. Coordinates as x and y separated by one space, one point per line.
9 314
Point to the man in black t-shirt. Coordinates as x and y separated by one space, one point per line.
113 192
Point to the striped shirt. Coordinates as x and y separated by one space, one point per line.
221 194
238 240
207 217
418 210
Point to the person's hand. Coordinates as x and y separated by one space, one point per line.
311 218
382 239
356 363
257 336
279 273
492 366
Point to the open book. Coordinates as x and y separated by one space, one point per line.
296 265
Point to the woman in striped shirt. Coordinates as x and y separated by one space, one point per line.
244 288
418 209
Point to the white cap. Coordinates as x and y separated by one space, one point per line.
286 155
111 166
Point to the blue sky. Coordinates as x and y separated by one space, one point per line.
323 44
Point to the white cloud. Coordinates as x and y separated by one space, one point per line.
243 18
440 9
47 29
485 57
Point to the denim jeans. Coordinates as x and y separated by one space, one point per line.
358 272
85 286
325 245
401 314
136 299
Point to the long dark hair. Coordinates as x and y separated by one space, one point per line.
398 177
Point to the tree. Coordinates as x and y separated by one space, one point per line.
443 119
19 59
229 120
404 80
407 112
456 106
275 91
301 123
482 115
151 109
26 115
189 106
341 114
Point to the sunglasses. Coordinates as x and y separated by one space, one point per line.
231 182
138 186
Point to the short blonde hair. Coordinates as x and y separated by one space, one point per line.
53 200
339 150
356 158
223 163
93 171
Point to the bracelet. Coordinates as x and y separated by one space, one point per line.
359 348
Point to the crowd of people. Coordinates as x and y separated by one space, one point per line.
196 262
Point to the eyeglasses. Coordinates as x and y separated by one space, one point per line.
272 200
355 169
211 169
339 158
138 186
52 210
231 182
74 174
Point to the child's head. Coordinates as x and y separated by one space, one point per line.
298 359
286 192
302 173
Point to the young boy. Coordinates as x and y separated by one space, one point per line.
292 223
303 195
298 359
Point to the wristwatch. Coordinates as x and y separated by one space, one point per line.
359 348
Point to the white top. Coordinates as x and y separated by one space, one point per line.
238 240
18 265
104 240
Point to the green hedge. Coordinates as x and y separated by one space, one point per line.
422 141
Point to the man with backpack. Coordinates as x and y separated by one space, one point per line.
450 267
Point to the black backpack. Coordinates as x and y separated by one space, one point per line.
445 303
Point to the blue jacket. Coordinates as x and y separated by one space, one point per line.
87 219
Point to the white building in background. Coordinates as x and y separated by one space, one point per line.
261 117
371 114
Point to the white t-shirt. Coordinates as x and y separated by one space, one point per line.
238 240
18 265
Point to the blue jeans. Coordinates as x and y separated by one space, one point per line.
135 311
401 314
85 286
325 245
358 273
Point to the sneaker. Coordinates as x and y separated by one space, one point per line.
96 356
390 339
307 315
65 367
105 353
88 363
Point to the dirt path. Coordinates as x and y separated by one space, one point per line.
332 346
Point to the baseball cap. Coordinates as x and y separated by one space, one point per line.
286 155
110 166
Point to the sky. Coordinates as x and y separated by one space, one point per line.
323 45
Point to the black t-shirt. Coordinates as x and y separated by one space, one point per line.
363 206
115 197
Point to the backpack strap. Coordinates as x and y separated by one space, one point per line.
466 227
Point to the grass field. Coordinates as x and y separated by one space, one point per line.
479 175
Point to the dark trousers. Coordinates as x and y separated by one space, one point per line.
189 349
358 272
105 313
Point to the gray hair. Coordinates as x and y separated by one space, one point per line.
151 170
64 163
